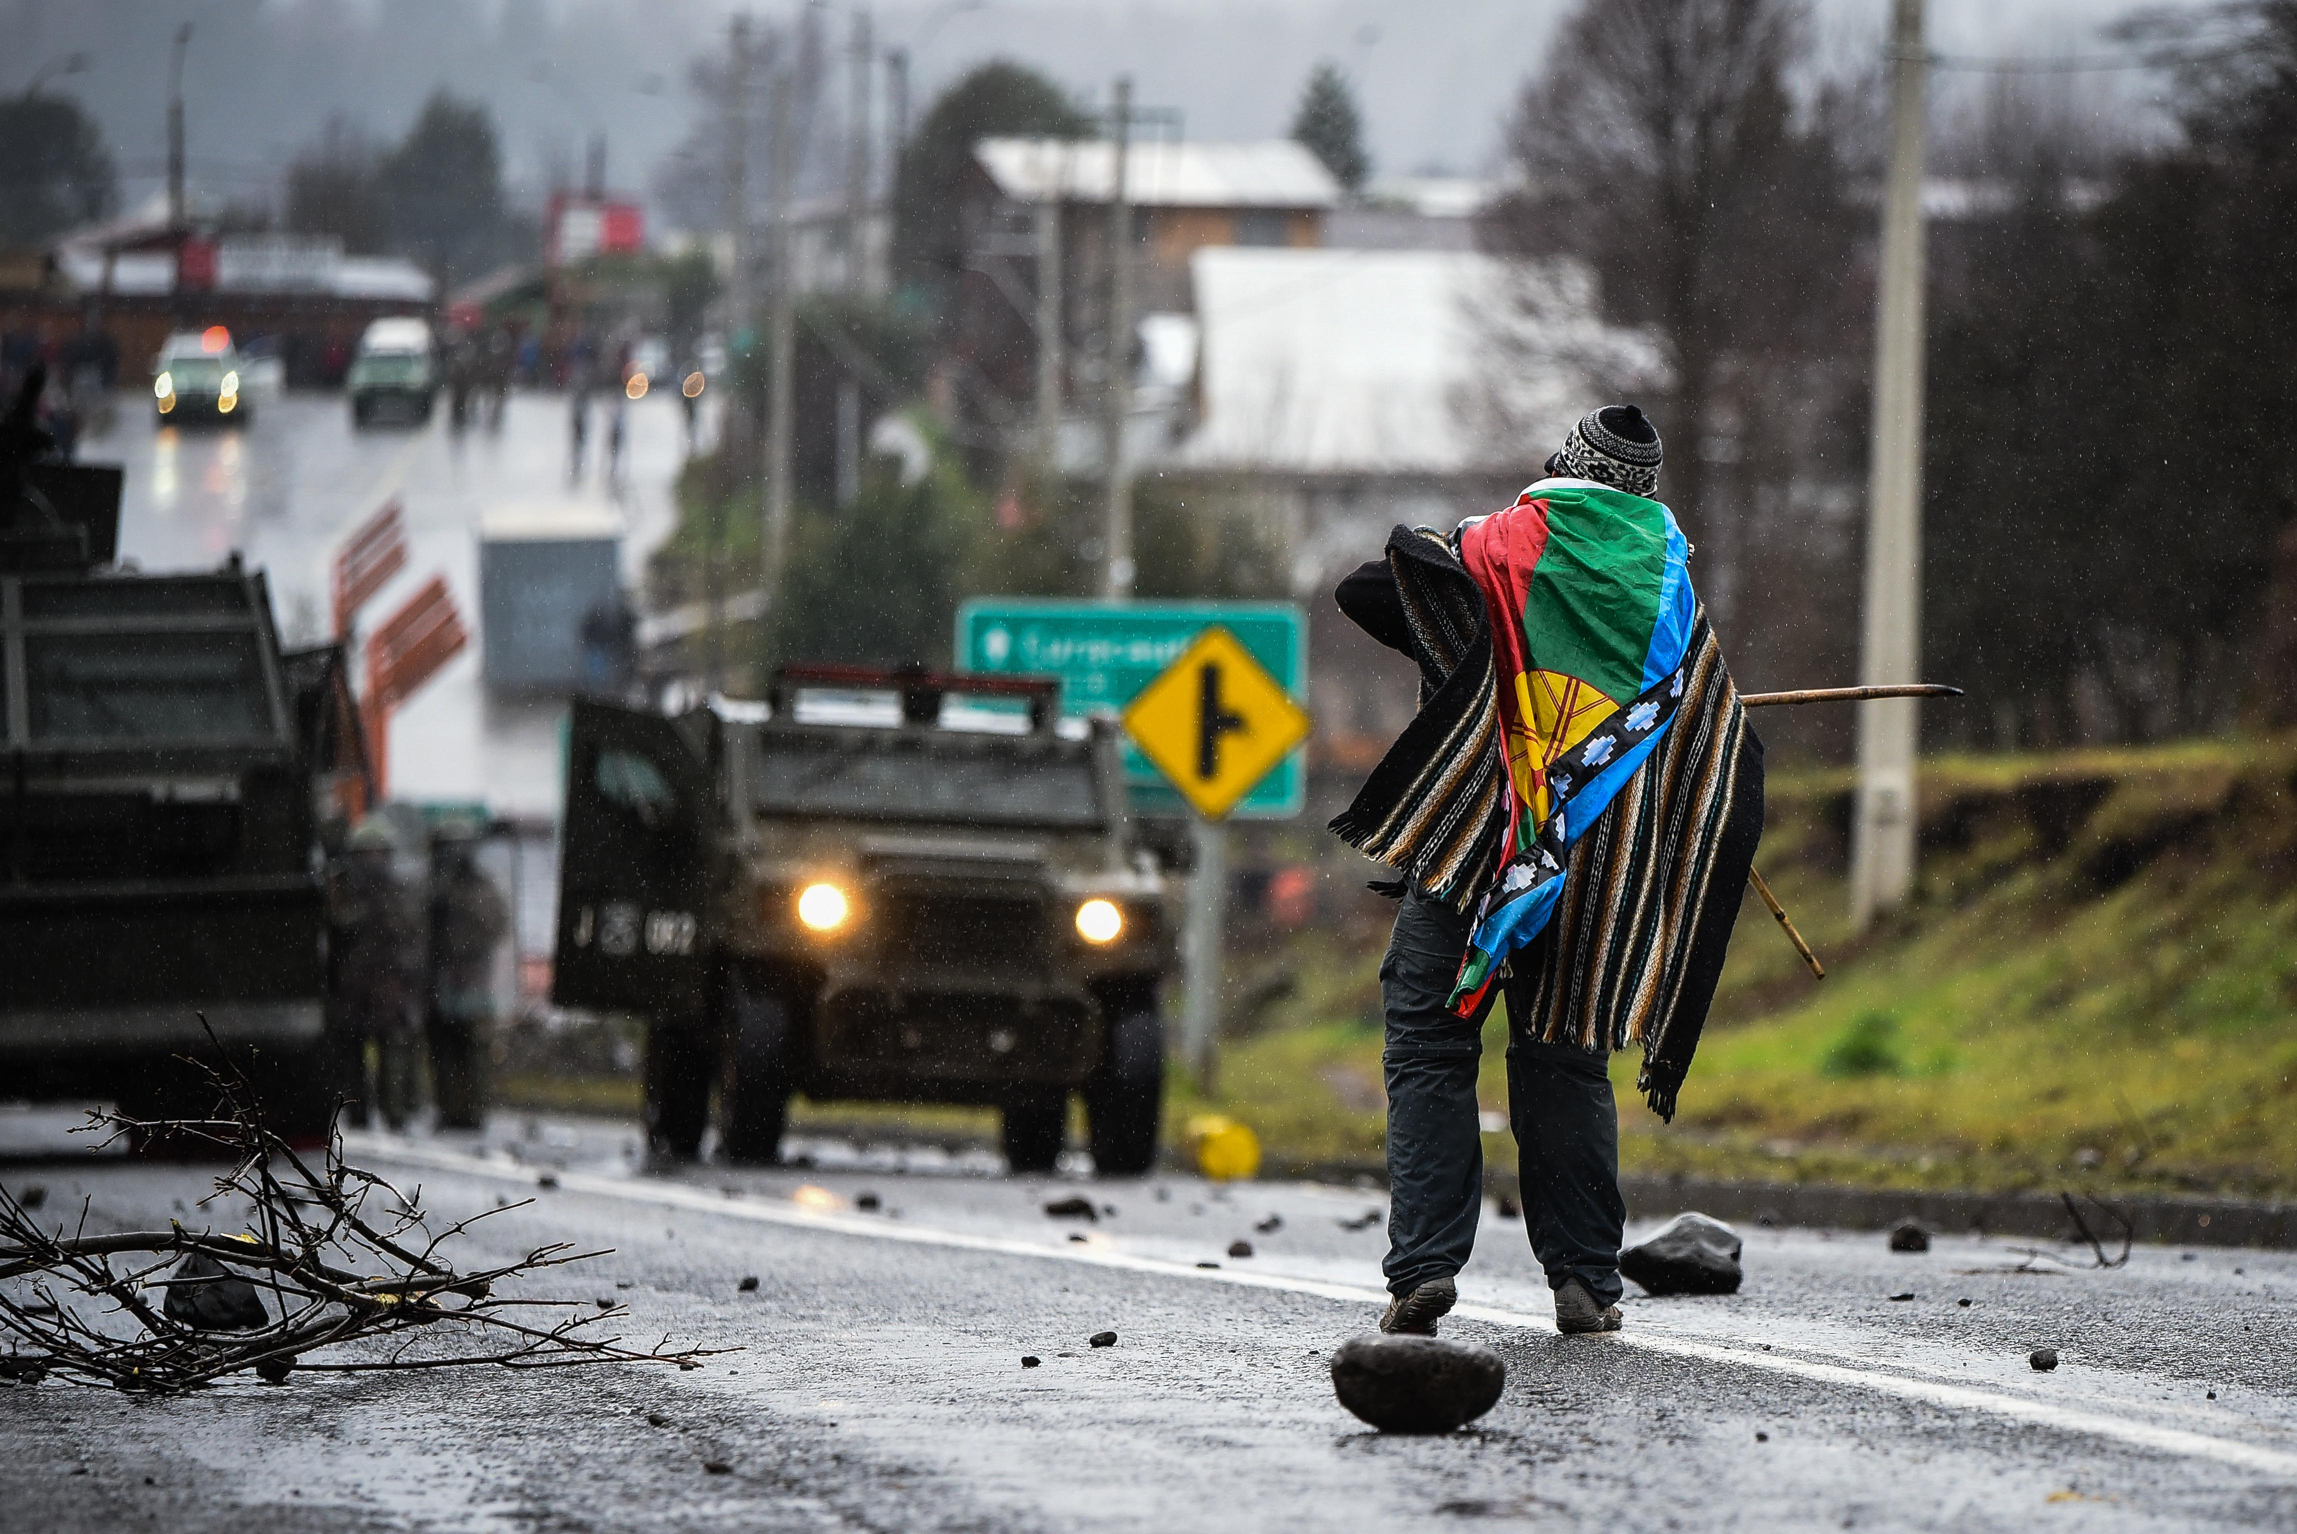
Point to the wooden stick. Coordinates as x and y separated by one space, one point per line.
1848 694
1780 911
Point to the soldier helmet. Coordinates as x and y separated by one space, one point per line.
457 828
374 834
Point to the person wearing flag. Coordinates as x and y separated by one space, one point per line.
1572 815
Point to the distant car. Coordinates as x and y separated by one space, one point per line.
394 373
197 377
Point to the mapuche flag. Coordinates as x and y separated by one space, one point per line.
1589 593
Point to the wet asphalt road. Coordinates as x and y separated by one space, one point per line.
880 1386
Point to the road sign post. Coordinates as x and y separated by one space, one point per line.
1206 693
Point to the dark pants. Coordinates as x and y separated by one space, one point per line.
1559 1102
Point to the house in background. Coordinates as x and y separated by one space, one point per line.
1340 392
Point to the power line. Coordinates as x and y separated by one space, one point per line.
2079 63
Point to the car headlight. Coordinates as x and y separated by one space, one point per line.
164 385
230 383
636 386
1100 921
823 907
694 385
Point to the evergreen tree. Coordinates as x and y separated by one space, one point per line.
54 170
1329 124
444 185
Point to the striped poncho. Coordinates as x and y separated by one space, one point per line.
1567 667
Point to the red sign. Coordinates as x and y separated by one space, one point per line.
195 264
371 556
403 654
577 228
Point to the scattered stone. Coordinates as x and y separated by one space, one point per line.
622 1283
2043 1359
1692 1255
1909 1236
865 1201
1271 1225
602 1302
1364 1221
1109 1211
32 1196
1240 1249
1072 1208
1208 1264
1762 1438
207 1296
1030 1360
1077 1236
749 1284
717 1467
2185 1257
656 1419
1407 1384
22 1370
2213 1395
1964 1302
547 1180
1906 1295
1103 1339
1507 1208
275 1369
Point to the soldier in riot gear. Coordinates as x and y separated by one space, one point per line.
468 920
376 948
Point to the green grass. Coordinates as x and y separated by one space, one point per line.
2041 1015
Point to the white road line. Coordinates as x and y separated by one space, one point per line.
2166 1440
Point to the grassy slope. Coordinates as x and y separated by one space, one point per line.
2097 982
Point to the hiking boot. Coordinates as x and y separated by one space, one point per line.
1416 1313
1576 1311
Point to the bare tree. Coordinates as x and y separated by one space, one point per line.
1658 143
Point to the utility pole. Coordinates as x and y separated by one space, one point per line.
1117 535
897 102
857 283
721 482
175 203
1049 343
782 149
1882 836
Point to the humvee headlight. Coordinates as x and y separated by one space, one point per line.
164 385
823 907
1099 921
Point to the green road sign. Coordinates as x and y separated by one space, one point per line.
1106 652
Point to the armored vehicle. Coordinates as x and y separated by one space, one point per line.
159 852
877 886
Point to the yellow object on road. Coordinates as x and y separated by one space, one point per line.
1225 1150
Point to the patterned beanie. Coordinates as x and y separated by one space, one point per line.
1616 446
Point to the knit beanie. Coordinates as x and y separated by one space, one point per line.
1616 446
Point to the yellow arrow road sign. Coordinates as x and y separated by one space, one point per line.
1215 722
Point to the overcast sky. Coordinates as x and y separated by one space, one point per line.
1435 76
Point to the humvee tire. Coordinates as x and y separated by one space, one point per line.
678 1061
761 1030
1124 1101
1032 1137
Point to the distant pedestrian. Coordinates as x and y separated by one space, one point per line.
468 920
579 433
375 953
1574 813
617 416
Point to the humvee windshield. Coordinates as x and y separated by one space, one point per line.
145 687
876 777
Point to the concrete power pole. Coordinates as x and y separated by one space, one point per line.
782 147
1049 344
175 203
1882 837
856 248
1117 400
740 318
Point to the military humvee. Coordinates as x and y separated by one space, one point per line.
159 853
878 886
